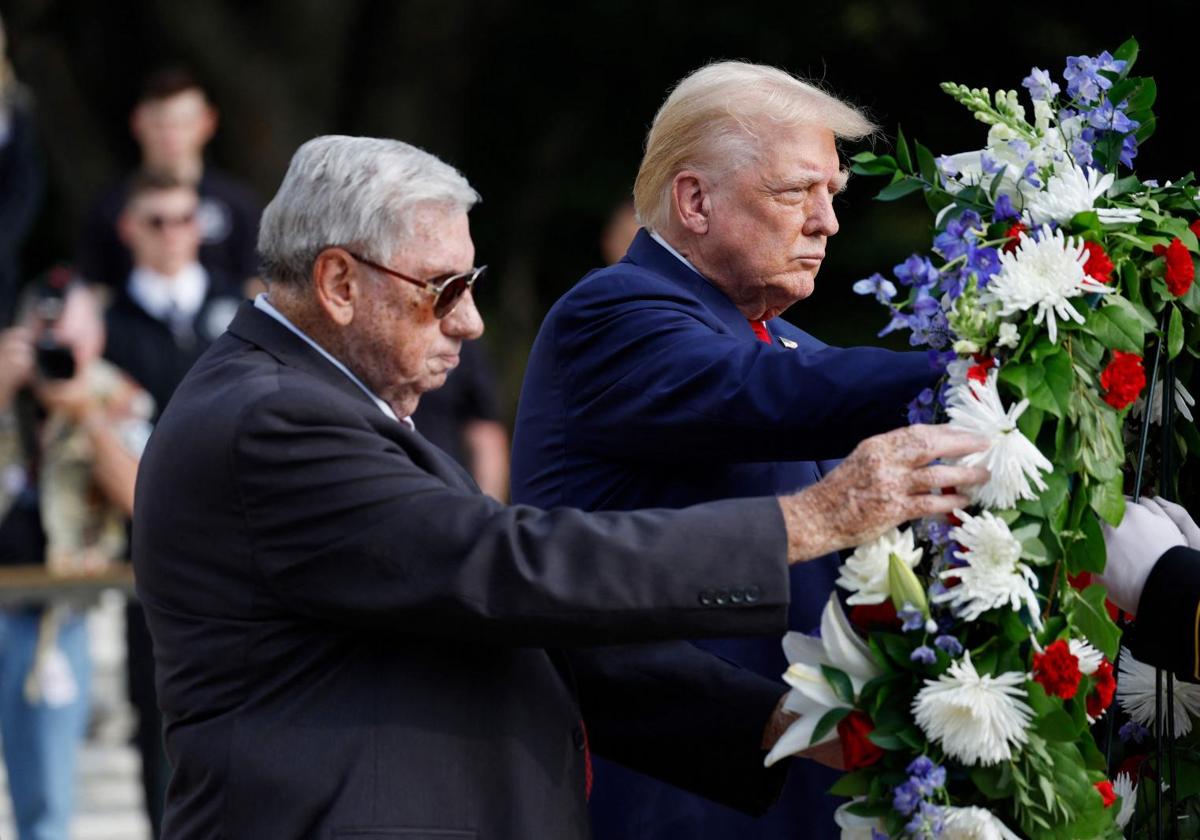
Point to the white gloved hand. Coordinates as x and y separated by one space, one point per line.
1184 522
1134 546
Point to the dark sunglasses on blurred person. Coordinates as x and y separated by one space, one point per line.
447 290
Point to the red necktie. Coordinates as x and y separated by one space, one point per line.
760 330
587 762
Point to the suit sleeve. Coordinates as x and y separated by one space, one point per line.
346 527
1167 630
682 715
655 362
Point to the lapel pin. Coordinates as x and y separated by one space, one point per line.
788 343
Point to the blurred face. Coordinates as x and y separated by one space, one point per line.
769 221
161 231
173 131
397 345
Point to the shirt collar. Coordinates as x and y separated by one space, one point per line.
168 298
670 250
263 304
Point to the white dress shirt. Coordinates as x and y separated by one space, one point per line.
171 300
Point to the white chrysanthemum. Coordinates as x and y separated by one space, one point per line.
1183 403
1043 274
975 824
994 576
1135 693
855 827
811 696
1124 787
1070 191
865 572
1014 462
978 719
1089 658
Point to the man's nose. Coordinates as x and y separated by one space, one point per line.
464 321
822 220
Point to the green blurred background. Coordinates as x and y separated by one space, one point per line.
545 106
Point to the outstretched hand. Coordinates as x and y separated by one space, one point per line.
1147 531
887 480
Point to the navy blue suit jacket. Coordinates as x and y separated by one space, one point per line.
646 387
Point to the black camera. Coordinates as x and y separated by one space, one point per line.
54 360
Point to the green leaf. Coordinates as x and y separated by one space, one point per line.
828 720
868 163
902 156
1085 611
840 683
1127 52
1143 98
1057 726
887 742
1030 422
1175 333
899 189
1146 129
1118 326
927 164
1108 499
1047 505
995 781
1046 383
852 784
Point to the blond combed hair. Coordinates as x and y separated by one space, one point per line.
712 120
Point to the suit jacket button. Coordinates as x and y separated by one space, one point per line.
580 740
721 597
737 596
753 594
706 597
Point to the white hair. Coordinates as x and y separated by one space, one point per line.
712 121
356 192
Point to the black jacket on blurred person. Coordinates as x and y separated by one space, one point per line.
21 184
353 642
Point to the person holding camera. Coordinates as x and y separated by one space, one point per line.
71 430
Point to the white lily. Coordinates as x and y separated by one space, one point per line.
811 696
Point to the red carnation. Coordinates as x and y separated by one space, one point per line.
857 749
1106 792
979 370
1098 265
1057 670
1123 379
873 616
1102 692
1013 235
1194 227
1135 767
1180 269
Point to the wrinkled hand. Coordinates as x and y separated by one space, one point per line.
1134 546
888 479
16 362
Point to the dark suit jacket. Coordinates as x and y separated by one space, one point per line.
352 642
647 387
1166 632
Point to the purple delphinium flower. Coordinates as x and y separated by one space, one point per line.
1040 85
921 409
947 167
1004 209
906 798
925 775
1111 118
1029 176
882 288
916 271
939 360
985 262
958 235
1133 731
929 821
1129 149
911 618
952 646
876 834
1081 151
899 321
924 655
933 330
990 165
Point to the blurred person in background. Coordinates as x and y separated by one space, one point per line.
172 122
167 312
21 179
619 232
71 429
462 418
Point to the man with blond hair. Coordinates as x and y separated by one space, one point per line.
669 379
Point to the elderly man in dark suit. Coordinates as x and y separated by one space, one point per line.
669 379
353 642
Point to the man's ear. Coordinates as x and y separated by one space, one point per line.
689 194
335 282
125 225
